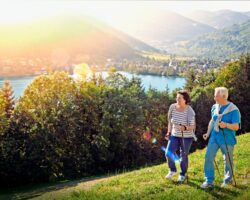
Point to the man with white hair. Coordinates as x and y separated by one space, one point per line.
222 129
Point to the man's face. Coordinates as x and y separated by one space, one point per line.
218 98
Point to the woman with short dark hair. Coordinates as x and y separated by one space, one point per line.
181 125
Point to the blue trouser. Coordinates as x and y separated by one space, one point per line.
212 149
175 143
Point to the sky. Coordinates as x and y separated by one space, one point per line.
110 11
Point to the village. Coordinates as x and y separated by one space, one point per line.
171 67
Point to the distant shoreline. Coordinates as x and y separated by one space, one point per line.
149 74
14 77
133 73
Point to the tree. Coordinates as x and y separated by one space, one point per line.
190 80
202 101
245 63
8 95
234 76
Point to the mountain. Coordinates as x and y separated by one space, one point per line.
63 36
222 44
131 41
247 13
219 19
157 27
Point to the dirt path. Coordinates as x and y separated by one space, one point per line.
53 191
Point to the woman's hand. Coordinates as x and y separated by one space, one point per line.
182 128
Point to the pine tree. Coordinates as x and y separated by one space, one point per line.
8 95
190 80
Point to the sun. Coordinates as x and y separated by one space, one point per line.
21 12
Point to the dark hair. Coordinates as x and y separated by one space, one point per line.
185 95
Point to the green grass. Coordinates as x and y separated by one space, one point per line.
164 57
149 182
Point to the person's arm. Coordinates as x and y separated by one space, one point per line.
209 130
210 124
169 123
233 127
191 120
169 127
169 131
210 127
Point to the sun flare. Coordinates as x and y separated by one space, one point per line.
12 12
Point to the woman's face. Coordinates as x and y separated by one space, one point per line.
180 100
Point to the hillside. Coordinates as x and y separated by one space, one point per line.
226 43
158 27
219 19
247 13
149 182
72 37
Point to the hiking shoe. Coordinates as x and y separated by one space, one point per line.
226 183
170 175
206 185
181 179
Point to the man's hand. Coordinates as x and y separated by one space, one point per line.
222 124
205 136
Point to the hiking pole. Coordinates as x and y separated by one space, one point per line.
229 158
182 137
215 163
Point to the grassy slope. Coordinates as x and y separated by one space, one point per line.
164 57
149 182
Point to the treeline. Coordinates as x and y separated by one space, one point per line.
236 77
62 129
167 67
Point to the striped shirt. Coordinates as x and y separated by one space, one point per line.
178 118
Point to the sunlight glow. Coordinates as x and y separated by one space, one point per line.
19 12
82 71
109 11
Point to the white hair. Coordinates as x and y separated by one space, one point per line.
223 91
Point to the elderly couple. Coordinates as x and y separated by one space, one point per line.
225 121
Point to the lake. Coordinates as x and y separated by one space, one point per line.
158 82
